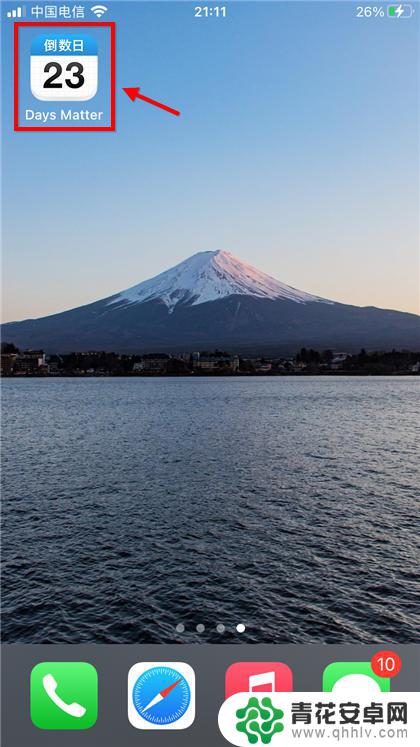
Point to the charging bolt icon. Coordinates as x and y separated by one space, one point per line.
400 11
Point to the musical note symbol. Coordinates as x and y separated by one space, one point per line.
258 677
262 680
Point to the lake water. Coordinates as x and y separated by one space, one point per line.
288 504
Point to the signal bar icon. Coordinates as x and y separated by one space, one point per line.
16 13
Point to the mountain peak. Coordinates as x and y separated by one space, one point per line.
215 300
209 276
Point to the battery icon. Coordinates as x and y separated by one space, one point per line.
400 11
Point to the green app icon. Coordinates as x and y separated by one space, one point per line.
64 695
355 676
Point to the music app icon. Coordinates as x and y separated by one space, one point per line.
258 677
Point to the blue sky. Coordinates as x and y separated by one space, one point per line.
296 150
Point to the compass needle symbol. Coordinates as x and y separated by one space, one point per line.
160 696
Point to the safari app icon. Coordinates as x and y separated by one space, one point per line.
64 695
161 695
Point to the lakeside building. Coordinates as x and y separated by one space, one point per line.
7 363
26 363
215 362
338 361
55 364
263 366
152 363
159 363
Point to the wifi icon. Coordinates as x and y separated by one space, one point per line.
99 10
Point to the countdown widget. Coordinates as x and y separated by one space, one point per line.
64 67
64 76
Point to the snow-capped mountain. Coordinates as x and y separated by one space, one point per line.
215 300
210 276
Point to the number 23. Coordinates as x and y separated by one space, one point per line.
75 66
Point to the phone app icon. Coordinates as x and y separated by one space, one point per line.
161 695
356 677
64 695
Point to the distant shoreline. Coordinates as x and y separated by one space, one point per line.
306 362
221 375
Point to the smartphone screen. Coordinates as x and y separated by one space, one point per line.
210 373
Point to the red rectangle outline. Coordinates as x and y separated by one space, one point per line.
17 128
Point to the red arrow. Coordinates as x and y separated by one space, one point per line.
134 93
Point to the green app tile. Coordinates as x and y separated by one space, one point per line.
339 669
64 695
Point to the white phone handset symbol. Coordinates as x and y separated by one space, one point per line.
50 687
